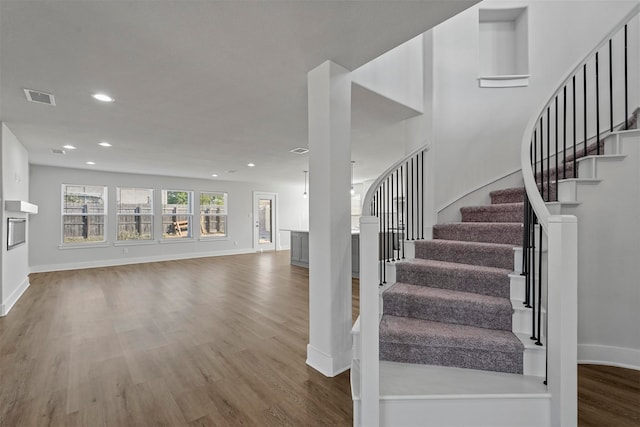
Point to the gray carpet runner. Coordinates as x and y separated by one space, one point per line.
451 306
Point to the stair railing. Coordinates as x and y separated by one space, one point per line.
590 103
392 214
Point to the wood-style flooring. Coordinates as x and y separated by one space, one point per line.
216 341
205 342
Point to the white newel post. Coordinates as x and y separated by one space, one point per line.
329 91
369 323
563 319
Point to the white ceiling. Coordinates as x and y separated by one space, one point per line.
201 87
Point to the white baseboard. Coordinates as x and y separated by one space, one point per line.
14 297
136 260
327 365
622 357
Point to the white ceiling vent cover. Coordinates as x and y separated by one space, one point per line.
40 97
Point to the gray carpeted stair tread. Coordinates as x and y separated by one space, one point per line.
444 305
455 276
504 212
487 232
486 254
507 195
408 340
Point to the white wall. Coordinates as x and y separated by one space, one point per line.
478 131
46 254
15 186
608 254
397 74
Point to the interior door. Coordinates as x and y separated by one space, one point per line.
264 221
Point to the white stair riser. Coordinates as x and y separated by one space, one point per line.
517 287
568 189
534 361
517 260
463 411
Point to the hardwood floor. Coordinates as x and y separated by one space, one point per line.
215 341
204 342
608 396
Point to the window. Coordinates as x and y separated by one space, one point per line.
84 213
213 214
177 214
134 213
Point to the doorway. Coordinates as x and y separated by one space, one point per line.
264 218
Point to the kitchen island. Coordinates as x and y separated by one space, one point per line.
300 250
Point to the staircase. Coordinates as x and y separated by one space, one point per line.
476 319
451 305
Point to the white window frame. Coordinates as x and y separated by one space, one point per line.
224 215
146 214
104 214
189 214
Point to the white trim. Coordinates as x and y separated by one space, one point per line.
474 189
213 238
504 81
177 240
14 297
136 260
327 365
65 246
622 357
134 242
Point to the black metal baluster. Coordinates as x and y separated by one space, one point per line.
585 109
538 342
404 202
396 206
610 86
412 203
575 170
379 202
422 205
535 156
564 133
533 280
391 225
556 153
597 109
626 92
548 154
417 196
385 220
541 158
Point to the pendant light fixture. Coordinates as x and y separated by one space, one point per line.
305 184
353 191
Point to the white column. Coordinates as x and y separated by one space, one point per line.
562 362
329 91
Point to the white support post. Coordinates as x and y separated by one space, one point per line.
369 323
329 98
562 364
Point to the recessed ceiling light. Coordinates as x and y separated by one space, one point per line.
69 147
102 97
90 163
250 165
104 144
214 175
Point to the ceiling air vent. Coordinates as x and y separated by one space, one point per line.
40 97
58 151
300 150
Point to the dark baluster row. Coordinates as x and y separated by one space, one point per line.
588 106
398 203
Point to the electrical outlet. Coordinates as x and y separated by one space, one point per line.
125 251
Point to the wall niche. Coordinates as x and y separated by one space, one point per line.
503 47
